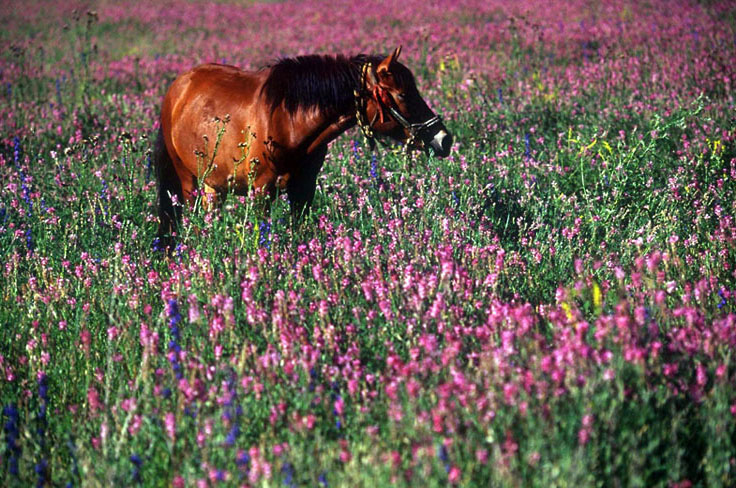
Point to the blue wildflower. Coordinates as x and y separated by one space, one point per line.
242 459
312 379
58 91
191 411
288 471
177 370
444 457
172 309
323 479
232 434
41 469
29 241
136 472
16 150
232 411
177 250
11 438
27 196
156 245
264 229
43 387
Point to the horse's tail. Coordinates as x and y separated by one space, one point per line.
168 186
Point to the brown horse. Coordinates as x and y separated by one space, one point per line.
223 128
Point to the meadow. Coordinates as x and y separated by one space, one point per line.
552 305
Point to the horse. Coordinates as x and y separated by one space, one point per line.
225 129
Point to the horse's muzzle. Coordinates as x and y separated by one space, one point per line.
441 143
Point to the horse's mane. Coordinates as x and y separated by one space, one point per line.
317 81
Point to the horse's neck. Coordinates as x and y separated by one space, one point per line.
325 128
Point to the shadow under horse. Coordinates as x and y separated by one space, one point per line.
223 128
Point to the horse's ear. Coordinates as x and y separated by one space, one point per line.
385 67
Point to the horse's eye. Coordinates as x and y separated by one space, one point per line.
401 97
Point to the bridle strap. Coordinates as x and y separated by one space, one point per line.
361 104
416 127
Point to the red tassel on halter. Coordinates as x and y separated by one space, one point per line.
381 96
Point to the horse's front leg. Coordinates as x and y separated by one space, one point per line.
303 182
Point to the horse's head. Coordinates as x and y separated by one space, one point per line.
391 105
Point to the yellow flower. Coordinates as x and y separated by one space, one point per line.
568 311
597 296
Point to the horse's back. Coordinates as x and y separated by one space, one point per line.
192 107
210 88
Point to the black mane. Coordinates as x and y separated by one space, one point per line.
316 81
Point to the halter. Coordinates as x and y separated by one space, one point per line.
382 98
361 103
414 129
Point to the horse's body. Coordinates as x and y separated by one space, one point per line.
223 128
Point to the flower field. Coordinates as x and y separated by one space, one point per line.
552 305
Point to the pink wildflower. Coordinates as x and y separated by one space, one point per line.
170 425
454 475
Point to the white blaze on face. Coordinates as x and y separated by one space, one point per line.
439 137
